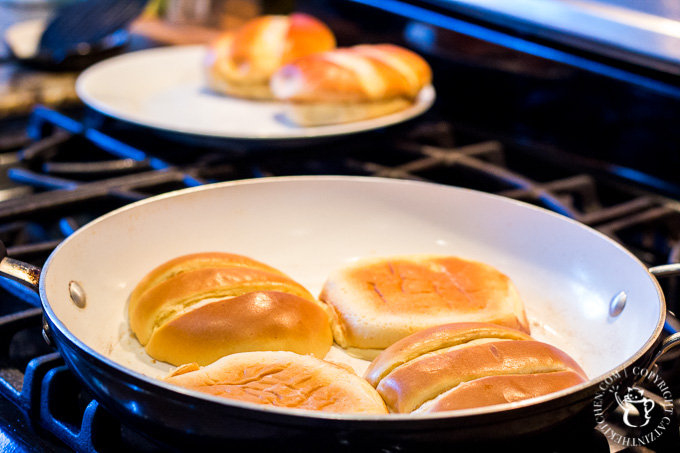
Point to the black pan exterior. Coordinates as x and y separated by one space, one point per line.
187 420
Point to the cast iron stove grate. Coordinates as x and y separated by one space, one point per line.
58 173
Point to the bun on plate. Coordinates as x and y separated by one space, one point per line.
200 307
283 379
466 365
350 84
376 302
241 62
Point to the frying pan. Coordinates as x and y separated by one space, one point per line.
583 293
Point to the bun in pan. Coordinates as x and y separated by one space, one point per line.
241 62
200 307
465 365
350 84
283 379
376 302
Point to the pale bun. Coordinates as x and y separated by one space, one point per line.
241 62
466 365
310 114
375 302
350 84
282 379
199 307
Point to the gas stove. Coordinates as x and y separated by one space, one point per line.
63 169
518 113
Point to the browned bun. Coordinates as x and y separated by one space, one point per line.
257 321
351 84
466 365
241 62
376 302
195 261
199 307
435 339
283 379
492 390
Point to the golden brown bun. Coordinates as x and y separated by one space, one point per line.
376 302
468 365
283 379
351 84
241 62
258 321
492 390
195 261
435 339
199 307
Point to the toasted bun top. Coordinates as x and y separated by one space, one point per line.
183 283
465 365
171 298
191 262
376 302
433 286
354 74
306 36
257 321
409 386
252 53
435 339
492 390
283 379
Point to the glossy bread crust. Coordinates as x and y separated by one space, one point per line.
350 84
199 307
241 62
460 366
255 321
353 74
435 339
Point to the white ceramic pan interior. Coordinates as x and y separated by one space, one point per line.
567 274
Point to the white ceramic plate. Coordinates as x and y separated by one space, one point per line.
165 89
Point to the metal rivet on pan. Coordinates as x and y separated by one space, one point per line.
617 304
77 294
47 333
46 337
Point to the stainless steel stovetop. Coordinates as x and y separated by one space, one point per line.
645 32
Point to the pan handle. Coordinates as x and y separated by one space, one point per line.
672 324
665 270
27 275
24 273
